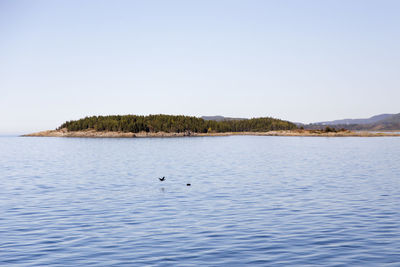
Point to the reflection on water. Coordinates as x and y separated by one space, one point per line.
252 201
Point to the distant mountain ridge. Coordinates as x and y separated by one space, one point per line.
390 123
382 122
370 120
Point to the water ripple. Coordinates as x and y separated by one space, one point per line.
267 201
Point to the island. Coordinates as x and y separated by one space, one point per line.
161 125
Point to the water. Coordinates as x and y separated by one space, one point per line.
265 201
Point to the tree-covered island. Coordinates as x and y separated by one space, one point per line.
174 124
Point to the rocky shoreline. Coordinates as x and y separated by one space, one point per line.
113 134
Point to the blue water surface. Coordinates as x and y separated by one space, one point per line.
256 201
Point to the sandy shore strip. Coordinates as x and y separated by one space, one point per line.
113 134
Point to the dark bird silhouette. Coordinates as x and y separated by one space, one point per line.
188 184
162 179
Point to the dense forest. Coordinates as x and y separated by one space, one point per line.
176 124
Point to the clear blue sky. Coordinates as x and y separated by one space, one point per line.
303 61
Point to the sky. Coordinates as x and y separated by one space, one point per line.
299 60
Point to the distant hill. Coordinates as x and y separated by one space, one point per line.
383 122
221 118
390 123
370 120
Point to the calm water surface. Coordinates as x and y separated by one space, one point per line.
264 201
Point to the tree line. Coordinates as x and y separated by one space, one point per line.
174 124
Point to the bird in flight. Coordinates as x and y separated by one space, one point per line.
162 179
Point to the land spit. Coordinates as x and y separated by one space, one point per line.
115 134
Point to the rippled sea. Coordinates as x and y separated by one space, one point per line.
255 201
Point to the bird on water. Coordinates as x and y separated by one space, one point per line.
162 179
188 184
